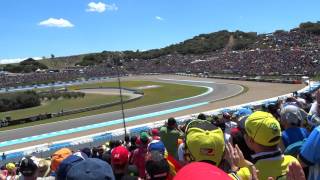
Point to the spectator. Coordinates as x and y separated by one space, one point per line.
67 163
291 119
155 134
169 135
262 135
58 157
315 107
90 169
29 168
205 143
310 154
138 155
11 171
119 161
157 167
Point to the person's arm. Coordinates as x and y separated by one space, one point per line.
310 151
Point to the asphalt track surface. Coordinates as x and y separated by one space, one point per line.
220 91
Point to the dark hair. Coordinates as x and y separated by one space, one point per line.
202 116
172 122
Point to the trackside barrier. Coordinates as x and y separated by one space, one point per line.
45 150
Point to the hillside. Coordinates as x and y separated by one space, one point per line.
201 44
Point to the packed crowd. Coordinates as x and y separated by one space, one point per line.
279 53
278 141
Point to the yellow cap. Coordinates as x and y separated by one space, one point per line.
263 128
10 166
205 143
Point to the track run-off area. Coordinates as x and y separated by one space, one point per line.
220 93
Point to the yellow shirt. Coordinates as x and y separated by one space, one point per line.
275 167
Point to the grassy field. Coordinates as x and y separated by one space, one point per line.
166 92
61 104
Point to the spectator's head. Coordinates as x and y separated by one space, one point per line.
144 138
291 116
68 162
262 132
119 158
127 138
58 157
133 140
86 151
154 132
157 145
172 123
10 167
29 166
313 120
90 169
157 167
204 142
44 168
242 112
201 170
202 116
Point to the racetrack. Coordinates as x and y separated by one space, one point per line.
208 101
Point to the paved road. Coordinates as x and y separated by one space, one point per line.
220 90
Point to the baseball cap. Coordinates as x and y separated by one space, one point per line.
156 165
28 165
155 132
119 155
292 114
58 157
156 145
144 137
205 141
242 112
10 166
263 128
90 169
68 162
201 170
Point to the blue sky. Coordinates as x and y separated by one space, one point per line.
37 28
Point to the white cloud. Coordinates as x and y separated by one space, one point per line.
112 7
159 18
15 60
53 22
101 7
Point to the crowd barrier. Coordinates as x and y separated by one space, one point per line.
45 150
243 78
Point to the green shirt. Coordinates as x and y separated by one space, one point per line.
170 137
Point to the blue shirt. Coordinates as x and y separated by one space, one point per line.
310 154
292 135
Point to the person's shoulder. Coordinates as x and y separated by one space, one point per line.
163 129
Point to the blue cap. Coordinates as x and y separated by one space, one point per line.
90 169
156 145
67 163
242 112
